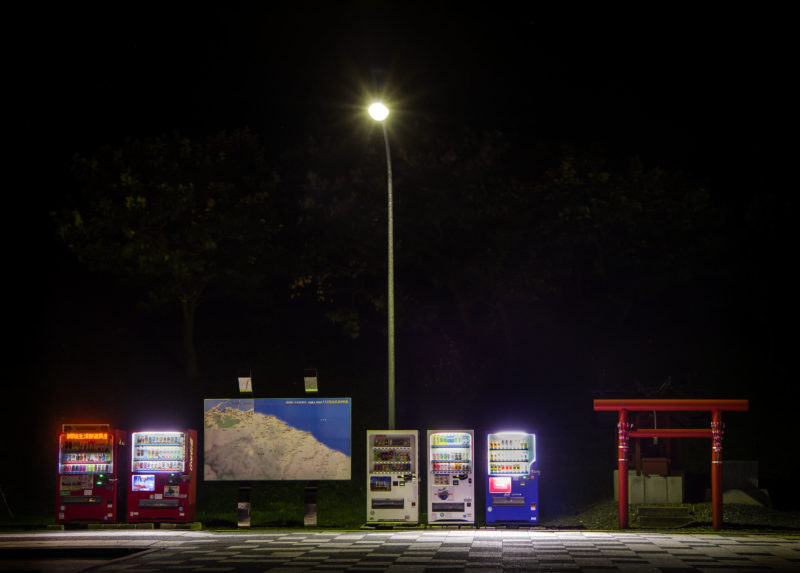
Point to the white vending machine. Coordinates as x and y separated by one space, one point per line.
392 476
451 487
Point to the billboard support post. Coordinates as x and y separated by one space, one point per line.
243 506
310 510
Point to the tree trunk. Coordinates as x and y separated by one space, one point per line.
189 308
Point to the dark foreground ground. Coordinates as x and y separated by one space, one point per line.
754 538
409 550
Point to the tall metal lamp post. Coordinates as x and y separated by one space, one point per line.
379 112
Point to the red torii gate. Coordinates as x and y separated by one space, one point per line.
625 431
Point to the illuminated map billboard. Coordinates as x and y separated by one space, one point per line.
276 439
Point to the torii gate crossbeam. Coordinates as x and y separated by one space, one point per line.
625 431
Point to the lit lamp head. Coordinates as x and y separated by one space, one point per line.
378 111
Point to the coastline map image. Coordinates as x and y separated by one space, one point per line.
277 439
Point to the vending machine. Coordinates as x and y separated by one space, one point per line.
512 487
392 476
451 488
89 460
163 484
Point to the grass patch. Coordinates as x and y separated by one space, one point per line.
603 515
342 505
282 504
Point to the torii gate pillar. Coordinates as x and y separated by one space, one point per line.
625 432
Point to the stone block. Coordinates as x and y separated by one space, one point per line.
674 489
651 489
655 489
635 487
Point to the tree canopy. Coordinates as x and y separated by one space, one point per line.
505 258
502 261
176 215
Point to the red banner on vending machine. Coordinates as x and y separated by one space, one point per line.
89 460
163 481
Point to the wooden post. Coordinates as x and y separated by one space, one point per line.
716 468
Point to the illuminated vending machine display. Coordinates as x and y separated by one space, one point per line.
512 487
163 484
392 476
88 472
451 490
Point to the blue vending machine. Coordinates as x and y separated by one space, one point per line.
512 484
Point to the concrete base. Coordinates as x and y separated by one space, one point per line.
740 474
749 496
644 489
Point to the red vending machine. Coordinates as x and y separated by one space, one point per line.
163 484
89 459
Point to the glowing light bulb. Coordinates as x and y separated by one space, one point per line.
378 111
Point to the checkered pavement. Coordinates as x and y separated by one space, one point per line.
455 550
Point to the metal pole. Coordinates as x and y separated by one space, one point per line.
390 295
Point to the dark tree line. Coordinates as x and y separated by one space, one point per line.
176 216
511 263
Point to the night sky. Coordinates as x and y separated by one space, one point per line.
703 93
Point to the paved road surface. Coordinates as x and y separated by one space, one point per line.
436 550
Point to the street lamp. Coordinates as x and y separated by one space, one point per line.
380 112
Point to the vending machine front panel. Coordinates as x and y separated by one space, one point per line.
451 488
163 484
512 485
392 476
88 470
